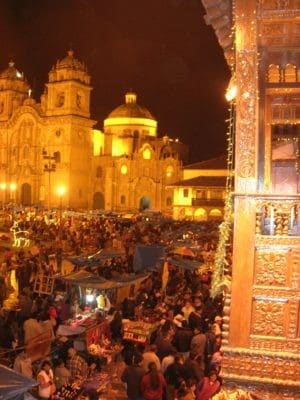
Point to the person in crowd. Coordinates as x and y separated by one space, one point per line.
187 309
187 390
8 339
193 368
164 345
168 360
198 345
217 325
153 384
196 318
32 327
182 339
62 374
88 394
149 355
116 327
132 377
76 364
45 378
208 387
173 376
23 364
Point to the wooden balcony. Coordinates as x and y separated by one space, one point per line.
208 202
278 215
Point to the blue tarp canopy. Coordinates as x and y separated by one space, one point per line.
148 257
90 280
185 263
13 385
95 259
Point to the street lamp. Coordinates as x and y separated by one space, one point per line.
61 190
3 189
49 167
12 188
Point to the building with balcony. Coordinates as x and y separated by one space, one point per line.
200 195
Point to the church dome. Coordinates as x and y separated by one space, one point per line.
11 72
69 68
70 62
131 109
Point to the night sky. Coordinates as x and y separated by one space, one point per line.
161 49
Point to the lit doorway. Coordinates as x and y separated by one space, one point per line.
98 201
144 203
26 194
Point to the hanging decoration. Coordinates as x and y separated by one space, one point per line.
221 278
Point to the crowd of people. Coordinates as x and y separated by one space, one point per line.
182 358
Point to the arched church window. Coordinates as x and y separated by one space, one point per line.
169 201
123 199
147 154
57 157
99 172
169 171
60 99
26 152
124 169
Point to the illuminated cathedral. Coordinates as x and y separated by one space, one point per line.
51 154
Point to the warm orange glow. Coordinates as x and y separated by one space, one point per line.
61 190
124 169
147 154
98 142
3 186
169 171
119 147
13 187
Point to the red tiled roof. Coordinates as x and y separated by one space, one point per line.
206 181
213 163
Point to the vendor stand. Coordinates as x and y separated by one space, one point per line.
139 331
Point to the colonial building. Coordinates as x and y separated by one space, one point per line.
200 195
50 153
261 330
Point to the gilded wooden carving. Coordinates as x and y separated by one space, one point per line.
268 318
271 269
247 116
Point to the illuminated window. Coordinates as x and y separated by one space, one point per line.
147 154
169 171
185 192
124 169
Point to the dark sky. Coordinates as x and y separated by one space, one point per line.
162 49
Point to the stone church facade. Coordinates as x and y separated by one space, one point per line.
52 144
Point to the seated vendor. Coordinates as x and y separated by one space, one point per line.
76 365
88 394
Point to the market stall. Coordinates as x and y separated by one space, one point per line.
139 331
